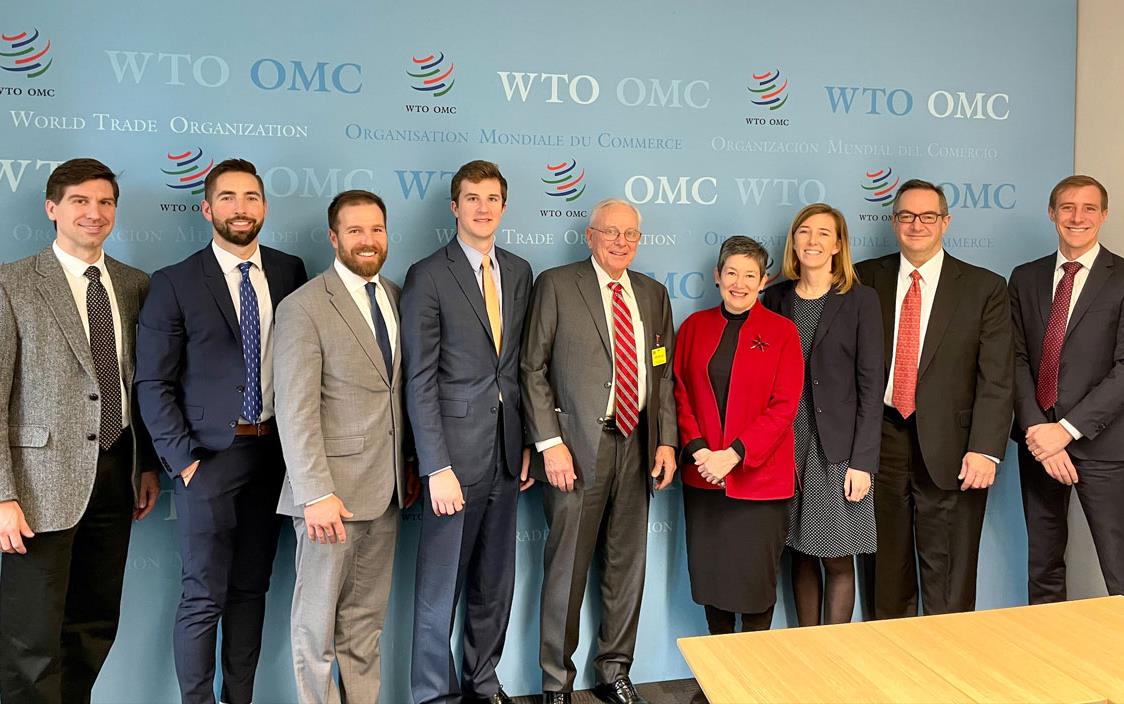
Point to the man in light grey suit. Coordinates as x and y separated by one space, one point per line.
69 480
341 420
597 393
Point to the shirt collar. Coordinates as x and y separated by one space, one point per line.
229 262
603 278
352 281
930 270
1086 260
74 265
476 257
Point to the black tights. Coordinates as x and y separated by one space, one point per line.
833 591
721 622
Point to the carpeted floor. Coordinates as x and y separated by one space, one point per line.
671 692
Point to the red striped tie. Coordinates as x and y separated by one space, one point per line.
624 361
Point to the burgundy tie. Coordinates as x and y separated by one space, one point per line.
908 349
1046 391
624 361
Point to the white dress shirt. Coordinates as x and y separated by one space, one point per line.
603 281
356 286
476 261
228 264
1086 261
75 270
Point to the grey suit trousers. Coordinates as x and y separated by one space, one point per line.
617 498
339 607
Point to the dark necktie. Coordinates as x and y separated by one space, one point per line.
1046 390
103 347
627 403
249 322
381 334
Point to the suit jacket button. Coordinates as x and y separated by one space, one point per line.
815 382
233 423
819 410
493 409
93 397
240 389
608 384
91 437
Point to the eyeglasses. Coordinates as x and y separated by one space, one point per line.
905 217
612 234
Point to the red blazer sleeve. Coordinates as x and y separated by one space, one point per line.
762 435
688 423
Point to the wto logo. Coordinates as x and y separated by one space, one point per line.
767 93
187 172
562 183
21 54
430 75
879 188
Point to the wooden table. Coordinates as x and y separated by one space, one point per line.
1054 653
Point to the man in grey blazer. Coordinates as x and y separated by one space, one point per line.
341 420
597 389
69 479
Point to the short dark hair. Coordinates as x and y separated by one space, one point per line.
745 246
76 171
353 197
1078 181
229 166
916 184
475 172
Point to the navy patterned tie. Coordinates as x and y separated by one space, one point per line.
381 334
103 347
249 322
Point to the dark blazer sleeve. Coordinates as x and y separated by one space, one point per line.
870 381
534 363
1027 412
994 400
668 425
421 346
761 436
147 461
161 340
689 432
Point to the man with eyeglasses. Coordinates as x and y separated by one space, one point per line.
947 411
597 389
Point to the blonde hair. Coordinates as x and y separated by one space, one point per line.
843 275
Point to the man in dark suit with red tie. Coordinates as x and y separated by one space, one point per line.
1068 312
947 411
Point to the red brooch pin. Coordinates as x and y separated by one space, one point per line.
758 344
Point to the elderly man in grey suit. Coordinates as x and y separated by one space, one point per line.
341 419
597 390
69 480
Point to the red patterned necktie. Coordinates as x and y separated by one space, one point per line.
624 362
1046 390
908 349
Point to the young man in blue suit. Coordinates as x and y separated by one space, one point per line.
205 385
462 322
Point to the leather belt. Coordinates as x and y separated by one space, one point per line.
255 429
608 423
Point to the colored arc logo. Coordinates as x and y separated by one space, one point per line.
880 187
187 171
24 53
769 90
562 183
431 76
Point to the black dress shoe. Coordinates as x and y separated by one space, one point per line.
499 697
555 698
620 691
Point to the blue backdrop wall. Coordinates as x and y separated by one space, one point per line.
718 119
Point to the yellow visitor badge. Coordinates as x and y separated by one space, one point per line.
659 356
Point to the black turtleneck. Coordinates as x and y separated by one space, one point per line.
719 370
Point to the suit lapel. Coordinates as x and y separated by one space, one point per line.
1098 275
349 311
831 307
273 283
507 310
55 290
886 284
127 308
466 278
1044 288
216 284
945 301
392 296
645 306
591 294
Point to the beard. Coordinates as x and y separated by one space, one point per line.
240 239
365 267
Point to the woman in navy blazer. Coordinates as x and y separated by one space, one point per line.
838 425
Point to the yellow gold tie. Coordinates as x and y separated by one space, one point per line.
492 303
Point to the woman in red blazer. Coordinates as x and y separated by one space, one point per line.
738 378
